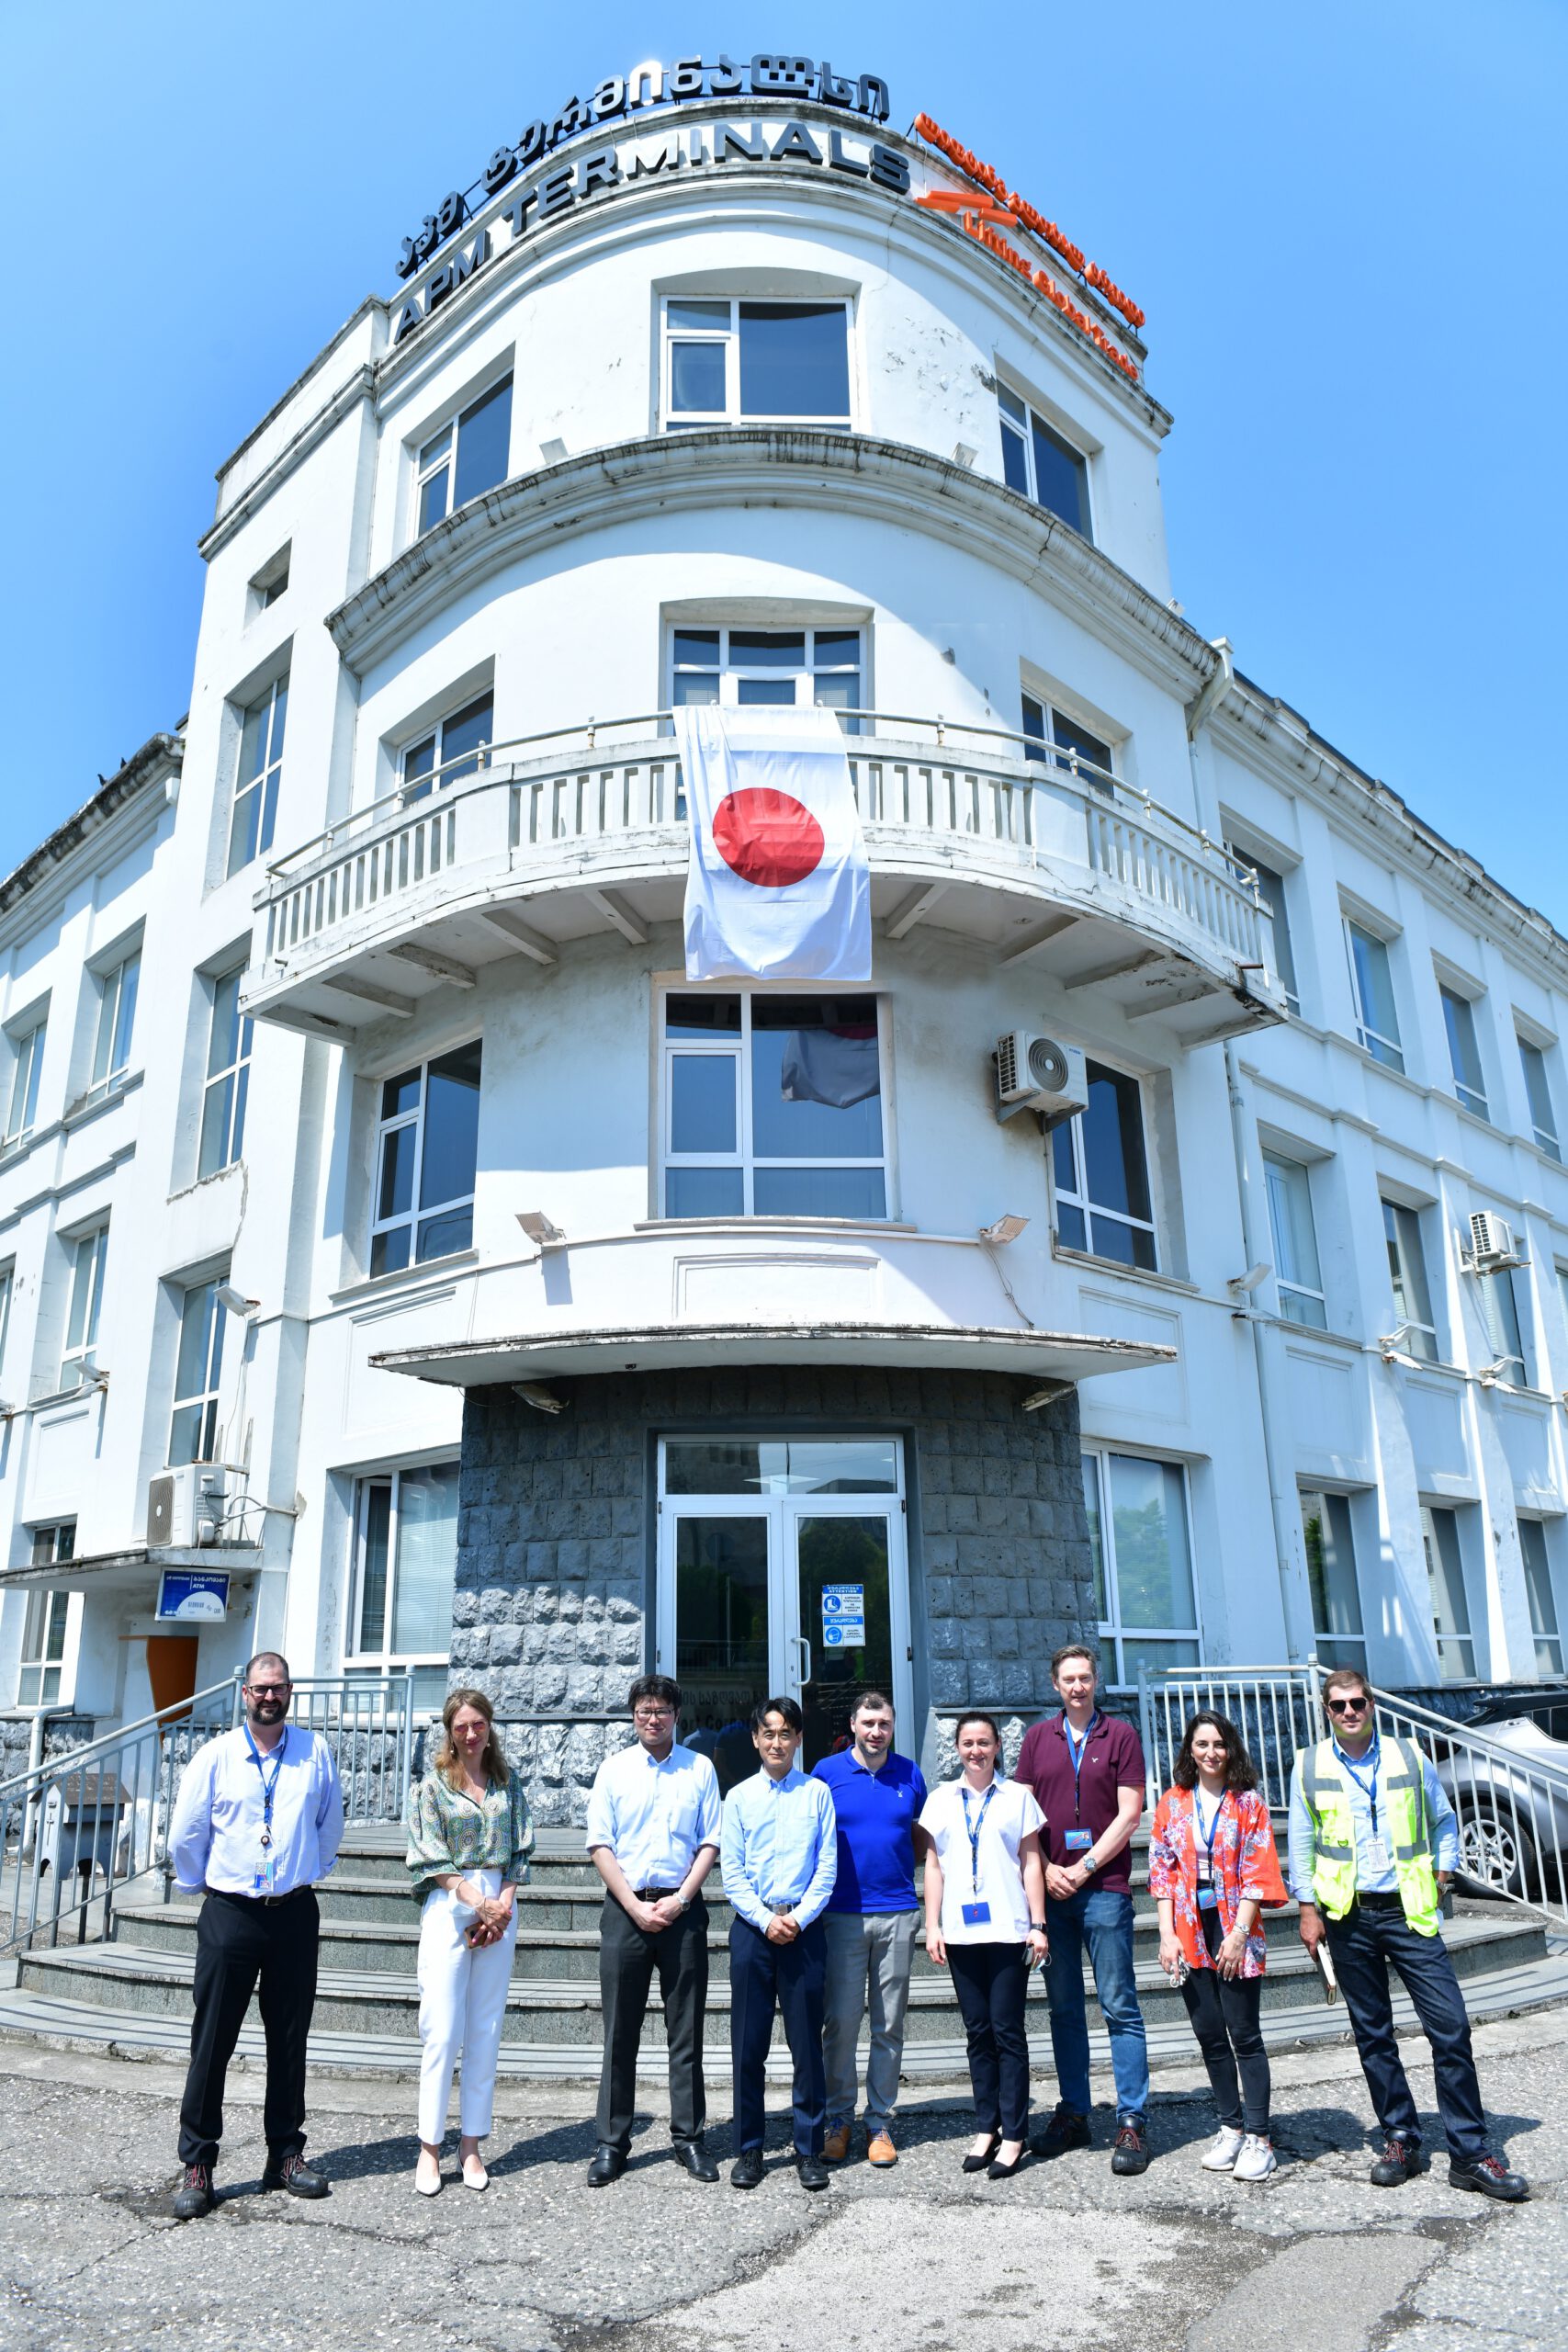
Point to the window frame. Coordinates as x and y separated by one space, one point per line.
732 415
730 673
233 1075
356 1659
47 1609
204 1399
1396 1235
1114 1630
1547 1639
7 1298
1537 1095
1462 1640
89 1256
1355 1641
1017 434
257 794
1463 1039
1069 1136
1278 916
417 1213
1043 743
425 467
1523 1356
1289 1288
463 763
26 1072
114 1030
1388 1051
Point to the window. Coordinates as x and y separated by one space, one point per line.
1101 1173
1407 1277
773 1107
1545 1623
88 1257
452 748
728 361
1271 891
261 769
1504 1331
1450 1603
272 581
1465 1053
1297 1274
43 1642
192 1433
405 1563
25 1078
1142 1562
426 1152
1041 466
1337 1632
751 667
7 1288
1050 735
1542 1116
228 1077
468 455
1372 985
116 1017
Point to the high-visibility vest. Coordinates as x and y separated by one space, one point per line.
1329 1791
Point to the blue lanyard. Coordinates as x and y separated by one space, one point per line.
972 1829
269 1787
1209 1834
1075 1749
1368 1788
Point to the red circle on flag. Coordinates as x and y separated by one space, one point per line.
766 837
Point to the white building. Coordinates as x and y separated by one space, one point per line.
360 1007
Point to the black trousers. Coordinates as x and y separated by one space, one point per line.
1372 1936
1224 2012
242 1945
628 1959
766 1979
991 1981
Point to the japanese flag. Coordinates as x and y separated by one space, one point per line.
777 887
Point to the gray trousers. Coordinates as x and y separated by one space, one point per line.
867 1953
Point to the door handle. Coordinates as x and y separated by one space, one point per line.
805 1659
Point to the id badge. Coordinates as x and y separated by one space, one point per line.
1077 1841
1207 1898
977 1915
1377 1855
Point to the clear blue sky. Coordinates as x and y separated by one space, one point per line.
1345 222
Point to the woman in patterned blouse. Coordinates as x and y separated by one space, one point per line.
469 1839
1213 1869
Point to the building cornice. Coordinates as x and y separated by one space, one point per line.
158 761
339 403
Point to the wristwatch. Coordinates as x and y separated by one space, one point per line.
1037 1926
684 1900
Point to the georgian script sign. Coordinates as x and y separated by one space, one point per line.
763 77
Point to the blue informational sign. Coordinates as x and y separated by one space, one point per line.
193 1595
843 1616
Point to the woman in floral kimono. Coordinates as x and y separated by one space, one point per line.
1213 1869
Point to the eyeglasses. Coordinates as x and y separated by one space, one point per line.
1347 1706
653 1716
269 1690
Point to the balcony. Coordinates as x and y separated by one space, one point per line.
560 838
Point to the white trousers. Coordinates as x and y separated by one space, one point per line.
462 1998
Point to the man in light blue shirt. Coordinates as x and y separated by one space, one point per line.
780 1855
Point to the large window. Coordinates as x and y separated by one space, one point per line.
1543 1118
452 747
1041 464
1050 735
1271 891
43 1648
228 1080
725 362
468 455
1142 1562
7 1291
1298 1276
773 1107
426 1152
1464 1051
405 1560
1103 1202
1407 1277
116 1018
768 667
1372 985
1337 1632
1503 1326
22 1109
89 1256
1541 1591
254 815
1450 1602
192 1433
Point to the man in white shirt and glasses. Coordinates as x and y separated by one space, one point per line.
257 1821
653 1821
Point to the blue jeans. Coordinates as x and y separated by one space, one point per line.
1104 1919
1371 1939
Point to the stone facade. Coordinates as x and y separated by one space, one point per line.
556 1543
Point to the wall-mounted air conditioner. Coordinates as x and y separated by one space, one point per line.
1038 1074
187 1508
1492 1245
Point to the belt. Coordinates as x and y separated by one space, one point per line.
784 1906
261 1902
1383 1899
653 1894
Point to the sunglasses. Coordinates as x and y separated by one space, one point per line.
1347 1706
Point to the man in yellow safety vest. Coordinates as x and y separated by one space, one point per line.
1373 1844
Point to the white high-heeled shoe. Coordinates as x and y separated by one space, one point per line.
428 2187
474 2172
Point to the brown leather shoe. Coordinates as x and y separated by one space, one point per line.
879 2150
836 2146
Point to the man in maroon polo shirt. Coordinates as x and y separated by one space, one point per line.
1086 1772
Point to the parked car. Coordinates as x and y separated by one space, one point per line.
1513 1822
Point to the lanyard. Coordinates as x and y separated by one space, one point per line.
972 1829
1076 1750
1368 1788
1209 1834
269 1787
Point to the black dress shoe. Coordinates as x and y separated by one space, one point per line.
814 2173
1400 2162
746 2170
696 2159
1490 2176
608 2164
996 2170
1067 2129
292 2173
1131 2153
196 2194
978 2163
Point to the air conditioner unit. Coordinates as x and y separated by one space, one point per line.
1492 1247
1038 1074
185 1508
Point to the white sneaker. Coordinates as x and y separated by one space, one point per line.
1257 2159
1228 2145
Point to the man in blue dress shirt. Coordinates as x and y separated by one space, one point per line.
870 1924
779 1855
257 1821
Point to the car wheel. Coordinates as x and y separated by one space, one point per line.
1496 1852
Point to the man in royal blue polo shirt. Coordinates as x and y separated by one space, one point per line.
870 1923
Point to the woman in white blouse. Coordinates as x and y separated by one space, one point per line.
986 1921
